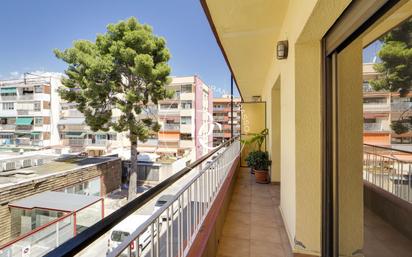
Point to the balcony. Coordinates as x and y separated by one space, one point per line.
26 97
24 127
376 107
401 106
199 192
7 127
377 127
96 142
171 127
253 224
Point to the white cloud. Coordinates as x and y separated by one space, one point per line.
15 74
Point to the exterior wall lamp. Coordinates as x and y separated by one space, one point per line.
282 50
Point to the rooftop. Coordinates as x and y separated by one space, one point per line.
61 166
55 201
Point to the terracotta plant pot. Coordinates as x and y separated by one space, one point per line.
261 176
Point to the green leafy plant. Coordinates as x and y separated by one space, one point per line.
399 127
125 69
257 139
258 160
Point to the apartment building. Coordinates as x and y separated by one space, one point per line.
222 117
186 119
380 108
76 136
29 112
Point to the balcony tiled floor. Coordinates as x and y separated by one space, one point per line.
383 240
253 225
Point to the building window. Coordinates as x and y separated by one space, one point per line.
186 136
36 106
186 104
8 106
112 137
38 89
186 88
38 121
186 120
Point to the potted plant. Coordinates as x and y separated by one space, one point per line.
261 166
258 160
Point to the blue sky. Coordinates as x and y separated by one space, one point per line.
32 29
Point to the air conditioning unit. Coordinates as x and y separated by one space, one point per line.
10 166
26 163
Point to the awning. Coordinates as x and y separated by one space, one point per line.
75 134
8 90
35 133
24 121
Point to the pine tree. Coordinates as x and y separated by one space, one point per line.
395 68
125 68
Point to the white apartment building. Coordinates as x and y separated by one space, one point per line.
185 120
29 112
34 117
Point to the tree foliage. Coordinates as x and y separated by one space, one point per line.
395 68
396 60
124 69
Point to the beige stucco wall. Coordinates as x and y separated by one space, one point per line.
253 121
350 148
301 122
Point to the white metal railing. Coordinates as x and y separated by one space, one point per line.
171 230
389 169
401 106
375 127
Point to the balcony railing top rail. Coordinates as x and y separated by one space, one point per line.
93 233
390 169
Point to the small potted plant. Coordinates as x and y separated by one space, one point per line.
258 160
261 166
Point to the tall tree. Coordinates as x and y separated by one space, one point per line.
126 68
395 68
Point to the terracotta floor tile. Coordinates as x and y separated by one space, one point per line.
260 248
234 247
240 217
236 230
239 207
265 234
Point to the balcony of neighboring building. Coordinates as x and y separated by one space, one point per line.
377 104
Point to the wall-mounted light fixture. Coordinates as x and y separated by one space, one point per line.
282 50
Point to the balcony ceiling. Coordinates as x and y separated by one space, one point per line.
247 31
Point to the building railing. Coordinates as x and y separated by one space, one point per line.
389 169
171 127
401 106
176 234
7 127
26 97
8 97
375 127
173 227
96 142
